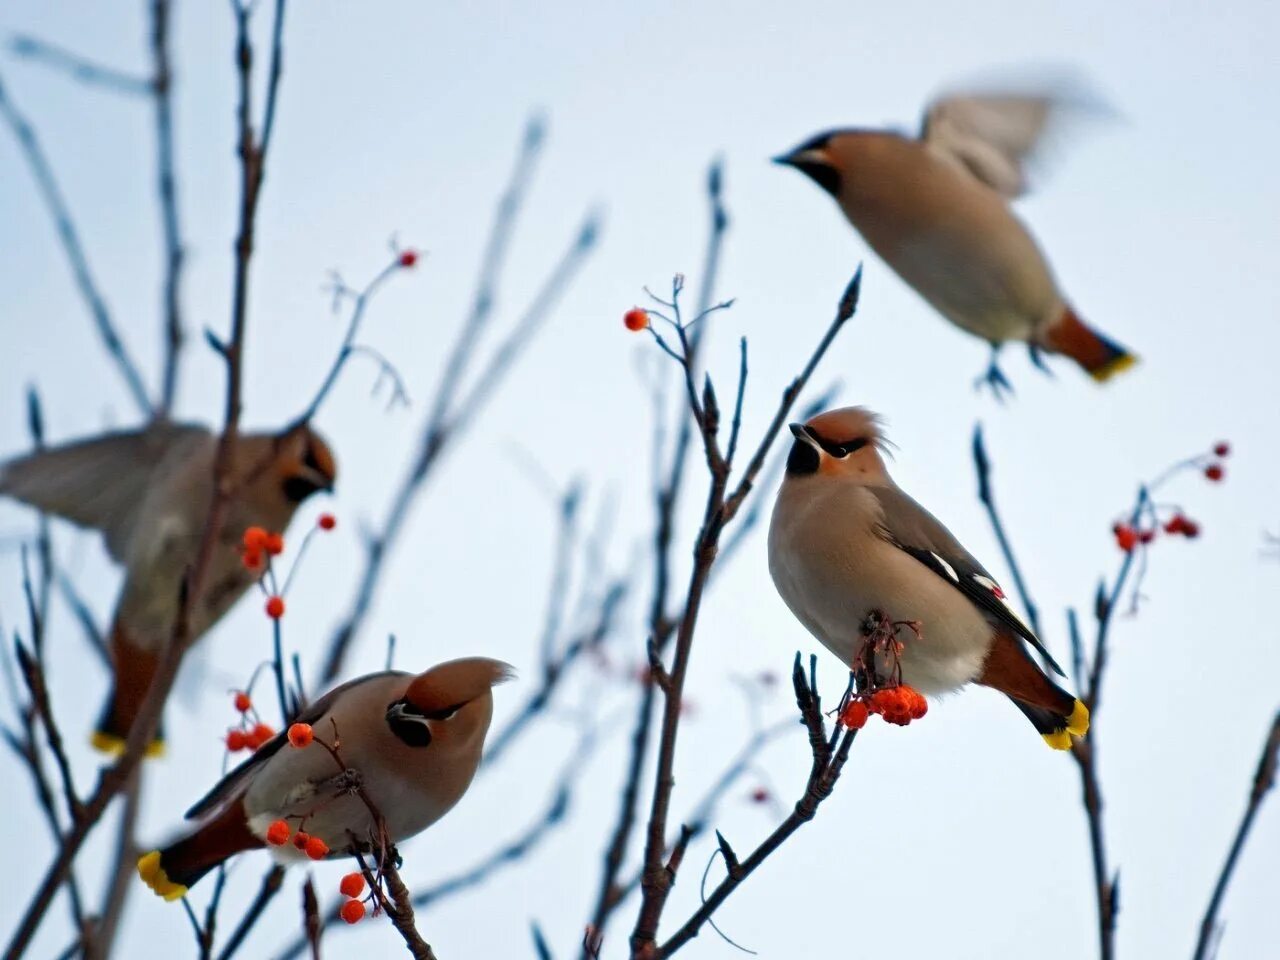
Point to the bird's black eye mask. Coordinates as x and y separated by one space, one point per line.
409 724
840 450
804 459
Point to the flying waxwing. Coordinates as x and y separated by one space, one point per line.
937 211
413 742
149 493
846 543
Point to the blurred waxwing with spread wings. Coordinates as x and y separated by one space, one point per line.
414 743
937 211
149 493
846 544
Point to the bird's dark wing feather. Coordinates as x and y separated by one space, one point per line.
914 530
231 785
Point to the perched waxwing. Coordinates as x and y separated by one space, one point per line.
845 543
149 494
414 744
937 210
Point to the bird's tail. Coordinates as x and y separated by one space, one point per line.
1055 714
134 669
1057 725
1100 357
172 871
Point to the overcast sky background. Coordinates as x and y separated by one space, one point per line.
961 836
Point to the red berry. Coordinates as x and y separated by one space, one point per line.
242 701
882 702
259 735
352 885
352 911
274 544
275 607
1214 472
327 521
1175 524
300 735
854 716
636 319
1190 529
300 840
1126 537
407 259
277 833
236 740
255 538
1221 448
252 559
1146 536
759 795
317 849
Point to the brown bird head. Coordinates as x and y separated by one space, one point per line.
844 161
451 702
815 159
304 464
839 443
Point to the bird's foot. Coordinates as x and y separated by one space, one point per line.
1037 358
994 379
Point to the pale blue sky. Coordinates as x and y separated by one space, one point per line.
403 118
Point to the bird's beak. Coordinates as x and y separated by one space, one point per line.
802 433
800 158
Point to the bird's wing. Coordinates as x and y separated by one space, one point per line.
913 529
992 136
102 482
231 785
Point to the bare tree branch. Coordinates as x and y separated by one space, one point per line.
166 181
825 771
1263 780
112 780
78 67
272 881
50 192
451 410
722 506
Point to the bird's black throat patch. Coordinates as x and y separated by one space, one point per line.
803 459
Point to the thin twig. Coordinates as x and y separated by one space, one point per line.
272 881
451 410
312 928
1263 780
74 249
78 67
121 878
982 465
166 184
825 771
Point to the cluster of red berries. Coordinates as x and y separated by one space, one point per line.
247 737
1128 536
279 833
258 544
636 319
897 705
351 887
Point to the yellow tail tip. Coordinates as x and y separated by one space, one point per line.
113 745
1078 722
1059 739
1113 366
153 876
